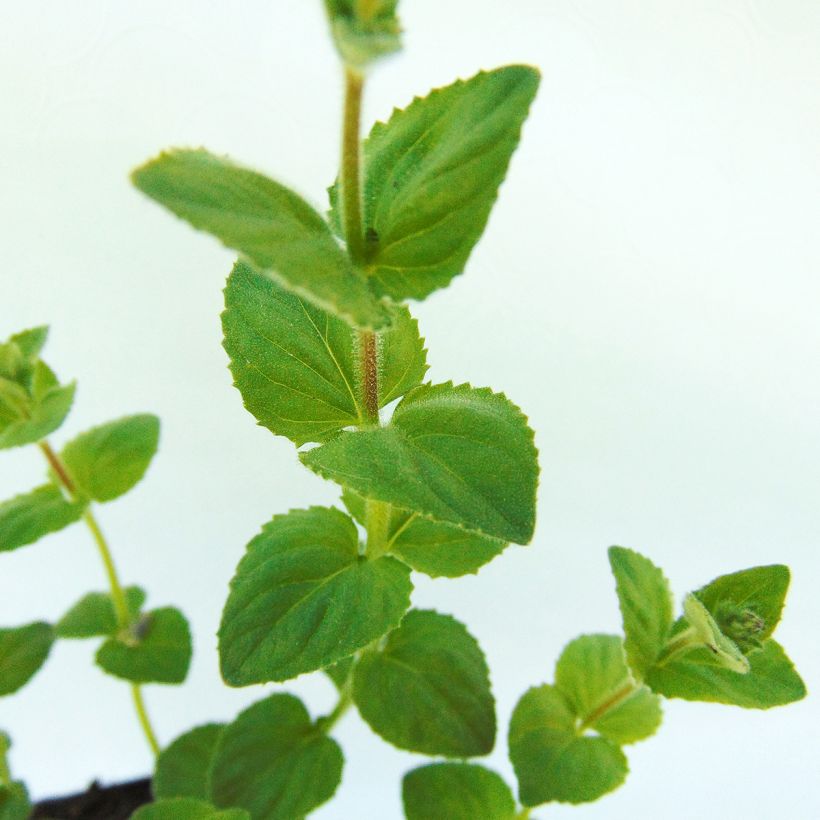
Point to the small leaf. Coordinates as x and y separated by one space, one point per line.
456 791
428 689
274 762
23 650
551 761
183 768
94 616
646 607
14 801
158 652
303 598
724 651
46 415
436 549
31 341
747 605
26 518
455 454
278 232
107 461
432 174
186 808
592 675
770 681
363 36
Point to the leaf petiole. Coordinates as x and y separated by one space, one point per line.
679 645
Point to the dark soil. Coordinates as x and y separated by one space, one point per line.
117 802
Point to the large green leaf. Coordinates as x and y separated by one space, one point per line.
23 650
26 518
551 761
274 228
187 808
183 768
456 791
297 367
94 616
431 547
274 762
593 677
364 31
428 688
747 605
46 413
303 598
455 454
107 461
431 176
771 680
157 651
646 607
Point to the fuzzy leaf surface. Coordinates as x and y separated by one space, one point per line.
432 547
187 808
771 680
431 176
460 455
303 598
161 654
94 616
428 689
274 762
646 607
23 650
107 461
270 225
183 767
551 761
590 671
25 519
456 791
297 367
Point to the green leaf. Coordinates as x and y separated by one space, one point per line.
339 672
157 650
26 518
297 367
364 31
274 228
428 688
14 801
183 768
45 416
747 605
431 547
771 680
646 607
31 342
432 174
723 650
186 808
94 616
456 791
593 677
107 461
551 762
455 454
274 762
23 650
303 598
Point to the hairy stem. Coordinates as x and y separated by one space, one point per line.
612 701
117 593
350 177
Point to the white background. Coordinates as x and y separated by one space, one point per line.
647 291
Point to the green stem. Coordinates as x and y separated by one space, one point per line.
345 701
682 643
377 518
5 772
613 700
117 592
524 813
350 177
